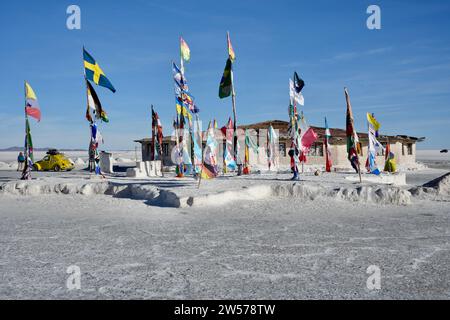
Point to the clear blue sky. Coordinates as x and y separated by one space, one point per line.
401 72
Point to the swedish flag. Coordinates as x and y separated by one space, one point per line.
94 73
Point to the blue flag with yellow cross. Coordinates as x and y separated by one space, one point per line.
94 73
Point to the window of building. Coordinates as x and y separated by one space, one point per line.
282 149
316 150
409 147
380 151
165 149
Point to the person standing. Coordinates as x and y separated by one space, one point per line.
20 161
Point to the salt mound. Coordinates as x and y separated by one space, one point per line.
156 196
367 194
79 161
123 160
221 198
441 185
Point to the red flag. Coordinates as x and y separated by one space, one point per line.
33 112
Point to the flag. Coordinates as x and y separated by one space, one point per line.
226 83
374 145
230 48
94 73
157 134
29 142
229 160
246 160
197 146
374 123
328 161
249 144
390 165
307 136
94 104
295 96
271 146
184 49
298 83
209 166
352 137
181 109
29 159
96 137
31 105
180 80
188 101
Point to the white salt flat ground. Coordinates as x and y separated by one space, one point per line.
270 248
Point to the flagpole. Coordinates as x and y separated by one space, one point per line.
90 161
153 135
87 106
181 113
203 155
25 167
235 138
196 116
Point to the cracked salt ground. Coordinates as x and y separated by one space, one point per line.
273 248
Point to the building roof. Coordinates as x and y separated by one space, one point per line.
337 135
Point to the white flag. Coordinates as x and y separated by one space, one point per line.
297 97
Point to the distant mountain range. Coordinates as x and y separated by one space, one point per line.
17 149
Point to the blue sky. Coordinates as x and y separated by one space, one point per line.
401 72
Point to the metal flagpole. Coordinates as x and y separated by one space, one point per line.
235 137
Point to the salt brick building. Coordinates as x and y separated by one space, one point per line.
404 147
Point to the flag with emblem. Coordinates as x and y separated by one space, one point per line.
94 73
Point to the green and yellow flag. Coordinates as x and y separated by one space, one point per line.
226 84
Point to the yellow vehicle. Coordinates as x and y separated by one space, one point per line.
55 161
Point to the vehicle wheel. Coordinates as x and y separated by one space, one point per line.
56 168
35 167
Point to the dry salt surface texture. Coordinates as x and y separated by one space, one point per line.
255 237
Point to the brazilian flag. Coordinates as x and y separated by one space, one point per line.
94 72
226 85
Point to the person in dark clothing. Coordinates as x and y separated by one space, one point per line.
20 161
